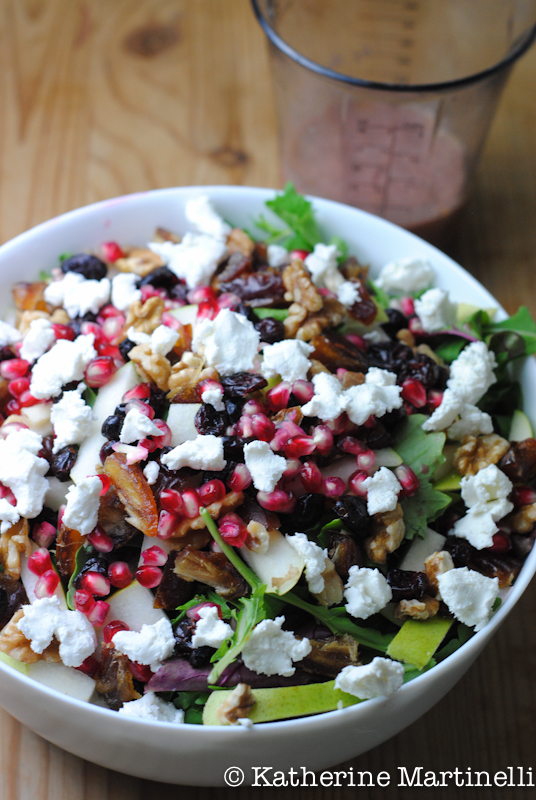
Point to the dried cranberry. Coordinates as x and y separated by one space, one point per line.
209 421
242 383
233 447
264 287
247 312
407 585
505 567
364 309
158 402
309 508
271 330
397 321
12 597
111 427
91 267
160 278
96 563
376 437
125 347
63 461
519 462
233 409
6 353
345 553
405 363
353 512
106 450
197 656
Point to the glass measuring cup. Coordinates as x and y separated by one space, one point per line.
385 104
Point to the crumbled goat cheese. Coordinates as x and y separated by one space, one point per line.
210 630
83 501
245 722
435 310
71 418
152 645
469 595
382 491
22 471
194 260
446 413
322 264
277 255
214 397
379 395
151 472
347 294
38 339
407 275
471 374
8 334
203 216
229 343
366 592
45 619
271 651
77 295
315 559
380 678
288 358
376 336
8 515
65 362
485 495
265 467
153 708
124 290
472 422
203 452
137 426
163 339
328 401
138 337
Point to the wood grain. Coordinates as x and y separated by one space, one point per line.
101 98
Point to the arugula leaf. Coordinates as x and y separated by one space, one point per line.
381 297
423 452
274 234
226 611
342 247
463 634
82 555
89 396
451 348
44 275
521 324
298 213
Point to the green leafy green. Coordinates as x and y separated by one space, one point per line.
89 396
192 704
520 324
299 215
277 313
500 401
451 348
44 276
510 339
226 610
341 246
423 452
381 297
461 636
82 555
323 537
63 256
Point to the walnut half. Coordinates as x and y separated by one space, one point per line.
478 452
237 706
388 534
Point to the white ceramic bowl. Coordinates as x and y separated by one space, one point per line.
192 754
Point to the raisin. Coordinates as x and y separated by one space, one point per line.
233 409
180 291
407 585
6 353
160 278
233 447
405 363
271 330
309 508
519 462
353 512
63 461
209 421
364 309
125 347
106 450
158 402
397 321
12 597
262 288
91 267
242 383
111 427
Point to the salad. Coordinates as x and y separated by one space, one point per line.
242 481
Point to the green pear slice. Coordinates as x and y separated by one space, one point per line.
449 483
418 639
520 427
279 567
285 702
181 422
466 310
186 314
63 679
420 549
13 663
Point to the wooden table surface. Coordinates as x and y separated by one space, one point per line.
102 98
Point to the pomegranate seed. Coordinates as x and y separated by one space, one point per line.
202 294
244 427
167 523
255 406
286 431
14 368
18 386
46 584
140 392
148 444
233 530
357 341
338 425
106 312
113 627
311 477
61 512
111 351
278 397
12 407
303 391
299 254
99 371
407 306
112 251
44 534
355 483
165 439
154 556
39 562
149 576
63 332
100 540
89 666
501 543
84 601
413 392
172 322
208 310
113 328
323 439
7 494
171 500
300 446
119 574
407 479
141 672
193 612
523 496
278 500
92 327
27 399
212 492
106 483
365 461
228 300
149 291
95 583
190 503
351 445
262 427
240 478
415 326
434 400
294 467
333 487
139 405
98 613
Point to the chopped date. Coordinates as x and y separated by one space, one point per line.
519 461
264 287
242 383
237 265
493 565
353 513
335 351
364 309
172 590
344 552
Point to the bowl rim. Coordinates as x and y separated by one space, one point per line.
474 644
